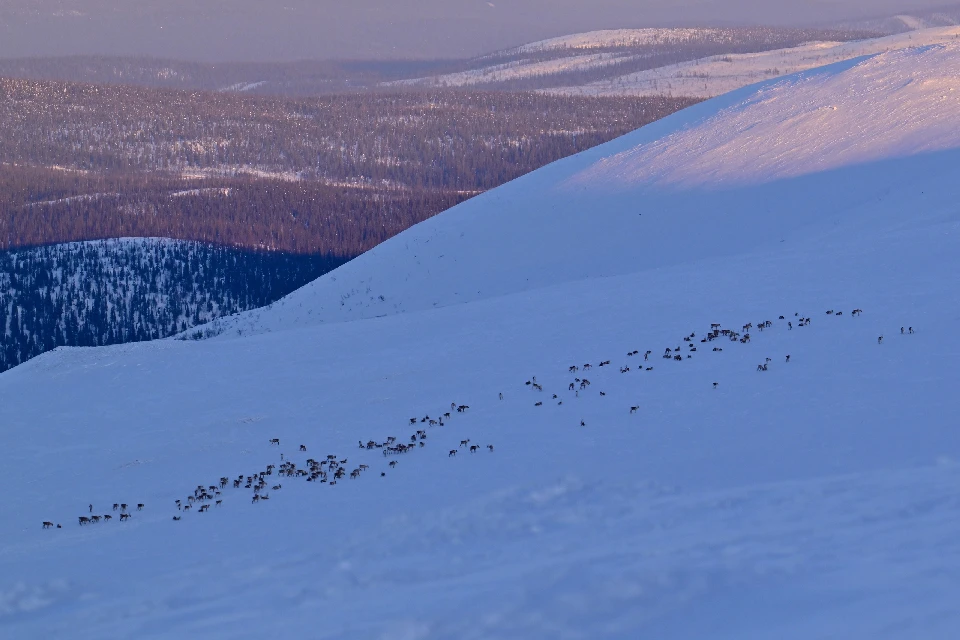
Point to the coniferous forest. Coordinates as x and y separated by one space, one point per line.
126 290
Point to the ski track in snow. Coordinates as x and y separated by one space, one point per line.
816 499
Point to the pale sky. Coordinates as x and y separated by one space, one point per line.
252 30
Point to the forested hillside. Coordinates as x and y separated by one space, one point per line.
112 291
333 175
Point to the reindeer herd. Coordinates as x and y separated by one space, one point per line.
332 468
716 334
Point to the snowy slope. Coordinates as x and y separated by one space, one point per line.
715 75
607 38
816 499
652 198
517 70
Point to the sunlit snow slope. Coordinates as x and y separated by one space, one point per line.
731 493
776 162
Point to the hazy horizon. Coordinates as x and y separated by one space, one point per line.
274 30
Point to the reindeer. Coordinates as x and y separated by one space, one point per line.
140 505
275 441
303 447
490 446
634 409
47 525
474 448
538 404
464 443
453 453
84 520
176 518
107 518
124 516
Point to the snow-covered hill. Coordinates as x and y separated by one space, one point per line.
585 58
733 493
653 198
715 75
608 38
944 16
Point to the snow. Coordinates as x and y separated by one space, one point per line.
735 158
816 499
517 70
242 87
716 75
626 38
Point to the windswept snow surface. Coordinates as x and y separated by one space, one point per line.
817 499
715 75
